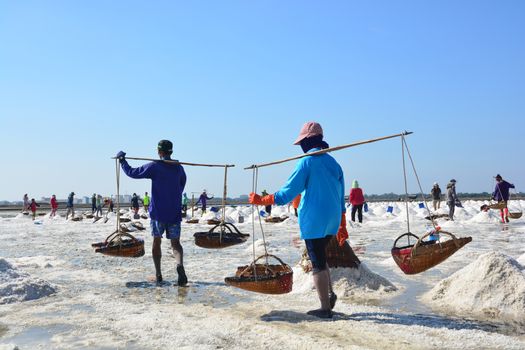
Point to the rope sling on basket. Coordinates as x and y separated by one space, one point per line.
223 234
421 256
262 277
120 243
516 214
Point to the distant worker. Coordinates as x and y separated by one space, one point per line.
501 195
357 199
98 212
267 208
54 206
322 211
135 204
145 202
26 202
111 204
436 196
185 201
167 184
70 205
93 203
295 203
202 199
452 198
32 206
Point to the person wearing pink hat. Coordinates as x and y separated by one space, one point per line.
321 211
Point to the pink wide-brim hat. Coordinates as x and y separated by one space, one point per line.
308 130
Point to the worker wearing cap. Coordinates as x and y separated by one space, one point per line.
436 196
501 194
321 211
452 198
167 184
202 200
70 205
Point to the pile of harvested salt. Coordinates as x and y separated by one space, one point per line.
18 286
347 282
491 286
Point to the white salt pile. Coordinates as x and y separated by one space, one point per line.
18 286
491 286
347 282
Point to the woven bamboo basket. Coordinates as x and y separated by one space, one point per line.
421 256
124 219
122 245
498 205
436 216
138 225
263 278
89 216
213 222
336 256
274 219
192 221
226 236
124 228
76 218
515 215
144 216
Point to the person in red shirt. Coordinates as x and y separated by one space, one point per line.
32 207
357 199
54 206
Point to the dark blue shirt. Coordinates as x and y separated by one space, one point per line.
167 184
501 192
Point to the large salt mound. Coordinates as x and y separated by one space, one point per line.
18 286
347 282
491 286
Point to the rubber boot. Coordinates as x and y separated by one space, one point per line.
183 279
321 283
158 273
331 295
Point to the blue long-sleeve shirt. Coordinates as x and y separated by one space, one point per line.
202 199
167 184
501 191
320 180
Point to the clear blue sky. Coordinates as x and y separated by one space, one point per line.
233 81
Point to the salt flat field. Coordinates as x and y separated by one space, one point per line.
56 292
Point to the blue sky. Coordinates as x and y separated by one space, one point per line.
233 81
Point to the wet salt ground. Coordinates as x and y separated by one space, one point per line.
87 280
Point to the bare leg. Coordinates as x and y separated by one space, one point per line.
321 282
178 252
157 255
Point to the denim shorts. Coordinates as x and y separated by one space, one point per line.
316 249
158 228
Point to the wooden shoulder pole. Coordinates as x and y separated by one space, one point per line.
327 150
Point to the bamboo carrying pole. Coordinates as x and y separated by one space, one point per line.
327 150
224 195
181 163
